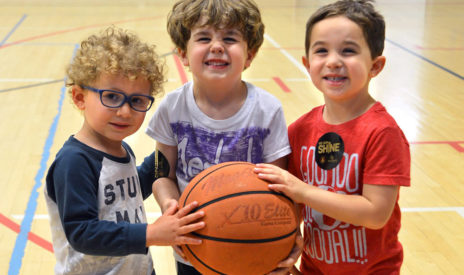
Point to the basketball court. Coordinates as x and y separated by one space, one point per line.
422 86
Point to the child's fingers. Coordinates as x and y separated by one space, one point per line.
192 217
171 210
188 240
186 209
179 251
276 187
264 169
266 176
190 228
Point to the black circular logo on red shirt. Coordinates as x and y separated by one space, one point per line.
329 150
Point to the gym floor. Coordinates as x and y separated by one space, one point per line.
422 86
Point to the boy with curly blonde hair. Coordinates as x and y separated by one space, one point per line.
94 190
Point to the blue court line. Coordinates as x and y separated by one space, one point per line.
12 30
426 60
21 240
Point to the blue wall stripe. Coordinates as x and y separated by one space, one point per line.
21 240
12 30
427 60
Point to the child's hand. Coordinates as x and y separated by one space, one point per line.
171 227
287 266
282 181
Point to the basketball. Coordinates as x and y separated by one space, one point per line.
249 228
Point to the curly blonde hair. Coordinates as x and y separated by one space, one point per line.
116 51
242 14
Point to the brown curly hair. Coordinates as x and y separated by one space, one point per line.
241 14
116 51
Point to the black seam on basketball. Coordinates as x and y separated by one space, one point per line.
244 240
198 259
227 165
239 194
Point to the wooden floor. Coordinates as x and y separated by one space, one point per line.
422 86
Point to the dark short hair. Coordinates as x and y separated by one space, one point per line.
361 12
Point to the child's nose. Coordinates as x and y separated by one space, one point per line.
333 60
217 47
124 110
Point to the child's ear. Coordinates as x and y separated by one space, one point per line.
305 61
183 56
78 97
251 55
377 66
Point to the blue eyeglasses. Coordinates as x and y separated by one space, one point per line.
115 99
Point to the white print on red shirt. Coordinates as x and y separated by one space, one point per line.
330 240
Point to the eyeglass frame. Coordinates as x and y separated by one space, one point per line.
127 98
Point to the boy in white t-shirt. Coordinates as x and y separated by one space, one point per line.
217 117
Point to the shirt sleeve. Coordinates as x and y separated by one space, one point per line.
159 127
75 179
388 158
276 143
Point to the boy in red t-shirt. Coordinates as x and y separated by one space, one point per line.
349 156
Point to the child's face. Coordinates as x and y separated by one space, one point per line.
111 124
216 54
339 60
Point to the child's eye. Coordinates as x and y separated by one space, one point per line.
111 96
349 51
203 39
230 40
320 51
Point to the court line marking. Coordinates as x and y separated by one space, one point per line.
25 79
31 236
13 30
439 48
78 29
455 144
289 56
31 85
26 223
459 210
425 59
281 84
21 240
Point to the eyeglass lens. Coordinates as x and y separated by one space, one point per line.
115 99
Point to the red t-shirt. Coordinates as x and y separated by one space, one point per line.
369 149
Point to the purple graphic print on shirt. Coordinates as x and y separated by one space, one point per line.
199 148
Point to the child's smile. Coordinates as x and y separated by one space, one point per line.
216 63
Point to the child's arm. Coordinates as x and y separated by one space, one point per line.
171 227
281 162
372 209
75 192
165 189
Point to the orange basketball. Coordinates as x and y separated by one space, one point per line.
249 228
